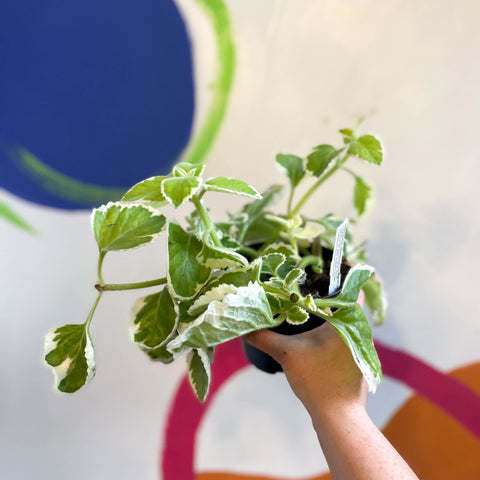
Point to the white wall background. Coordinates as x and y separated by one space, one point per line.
305 69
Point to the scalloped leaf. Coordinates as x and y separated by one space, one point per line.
186 276
319 160
352 325
293 276
272 261
121 226
368 148
356 278
235 315
153 320
177 190
215 293
69 351
184 169
214 257
231 185
198 361
297 315
293 167
148 190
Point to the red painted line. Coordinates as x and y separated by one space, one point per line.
452 396
186 412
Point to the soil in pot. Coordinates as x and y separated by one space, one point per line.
315 285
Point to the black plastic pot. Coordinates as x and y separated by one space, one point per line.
265 362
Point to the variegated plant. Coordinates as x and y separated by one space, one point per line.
225 279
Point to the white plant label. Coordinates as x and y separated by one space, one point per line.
335 276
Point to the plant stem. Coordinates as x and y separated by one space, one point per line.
206 220
314 187
110 287
88 321
99 267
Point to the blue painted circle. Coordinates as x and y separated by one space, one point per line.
101 92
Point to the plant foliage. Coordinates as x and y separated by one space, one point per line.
227 278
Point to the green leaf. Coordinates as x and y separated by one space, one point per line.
186 276
356 278
215 257
297 315
69 351
148 190
320 158
177 190
375 299
256 208
271 262
368 148
361 195
153 320
121 226
295 275
160 354
231 185
233 316
260 230
293 167
352 325
199 372
239 277
347 135
184 169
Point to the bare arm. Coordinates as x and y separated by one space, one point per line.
323 375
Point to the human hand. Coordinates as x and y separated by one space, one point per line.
319 367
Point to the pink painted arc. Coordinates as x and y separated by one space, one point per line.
186 411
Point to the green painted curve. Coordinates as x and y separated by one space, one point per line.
223 80
10 216
62 185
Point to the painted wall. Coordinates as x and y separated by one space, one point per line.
94 99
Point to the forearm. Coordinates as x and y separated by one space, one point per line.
355 448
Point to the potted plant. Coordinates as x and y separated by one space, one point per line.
256 269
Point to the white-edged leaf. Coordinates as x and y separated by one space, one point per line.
184 169
215 257
356 278
375 299
308 232
239 277
235 315
199 372
361 195
293 276
186 276
297 315
352 325
216 293
69 351
148 190
231 185
177 190
121 226
272 261
278 247
153 320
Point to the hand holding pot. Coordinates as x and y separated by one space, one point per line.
322 373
